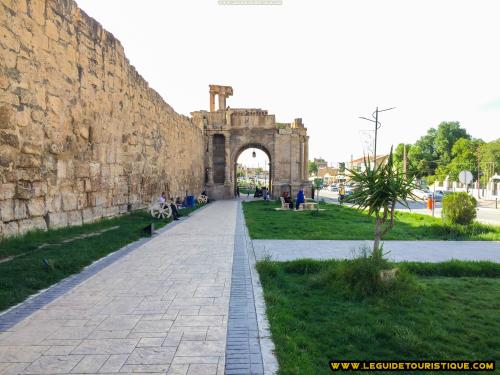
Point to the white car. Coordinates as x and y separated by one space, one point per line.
420 194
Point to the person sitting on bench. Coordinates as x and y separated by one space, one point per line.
300 199
288 199
163 202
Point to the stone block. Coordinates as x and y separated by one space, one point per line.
82 169
28 225
51 30
7 210
111 211
7 191
36 10
88 215
82 201
75 217
94 169
38 116
20 209
98 198
57 220
10 229
39 188
6 117
54 203
29 161
69 201
98 212
9 138
36 207
31 149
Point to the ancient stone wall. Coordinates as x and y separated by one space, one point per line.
82 136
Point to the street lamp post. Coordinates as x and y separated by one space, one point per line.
377 126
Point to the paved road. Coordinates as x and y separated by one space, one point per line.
163 308
418 251
487 213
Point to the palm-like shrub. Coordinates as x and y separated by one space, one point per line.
378 190
459 208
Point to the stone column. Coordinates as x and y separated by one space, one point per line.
270 180
228 163
306 158
210 159
301 164
222 101
212 102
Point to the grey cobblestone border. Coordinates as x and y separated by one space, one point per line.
243 351
16 314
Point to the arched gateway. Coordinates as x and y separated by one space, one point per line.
229 131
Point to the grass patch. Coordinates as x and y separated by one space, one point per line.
346 223
35 268
312 320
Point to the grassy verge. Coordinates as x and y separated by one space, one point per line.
67 252
346 223
313 321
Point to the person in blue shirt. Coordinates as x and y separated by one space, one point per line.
300 199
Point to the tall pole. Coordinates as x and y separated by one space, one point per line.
377 125
375 147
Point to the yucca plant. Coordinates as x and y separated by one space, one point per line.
378 190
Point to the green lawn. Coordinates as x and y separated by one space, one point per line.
346 223
26 274
312 321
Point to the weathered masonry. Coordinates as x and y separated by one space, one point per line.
83 136
230 131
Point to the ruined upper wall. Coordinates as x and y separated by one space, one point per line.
82 135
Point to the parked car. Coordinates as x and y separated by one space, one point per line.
438 195
334 187
420 194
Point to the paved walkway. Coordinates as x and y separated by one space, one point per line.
162 308
424 251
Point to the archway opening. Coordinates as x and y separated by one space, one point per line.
253 171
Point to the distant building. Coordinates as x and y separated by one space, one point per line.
329 175
359 164
321 163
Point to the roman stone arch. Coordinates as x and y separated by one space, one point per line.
235 154
286 145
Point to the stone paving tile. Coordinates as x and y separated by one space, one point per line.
90 364
160 308
114 363
398 251
53 364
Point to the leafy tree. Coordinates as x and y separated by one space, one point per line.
464 153
313 168
399 159
432 153
490 157
379 190
446 135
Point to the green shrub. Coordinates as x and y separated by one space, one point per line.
361 275
459 208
